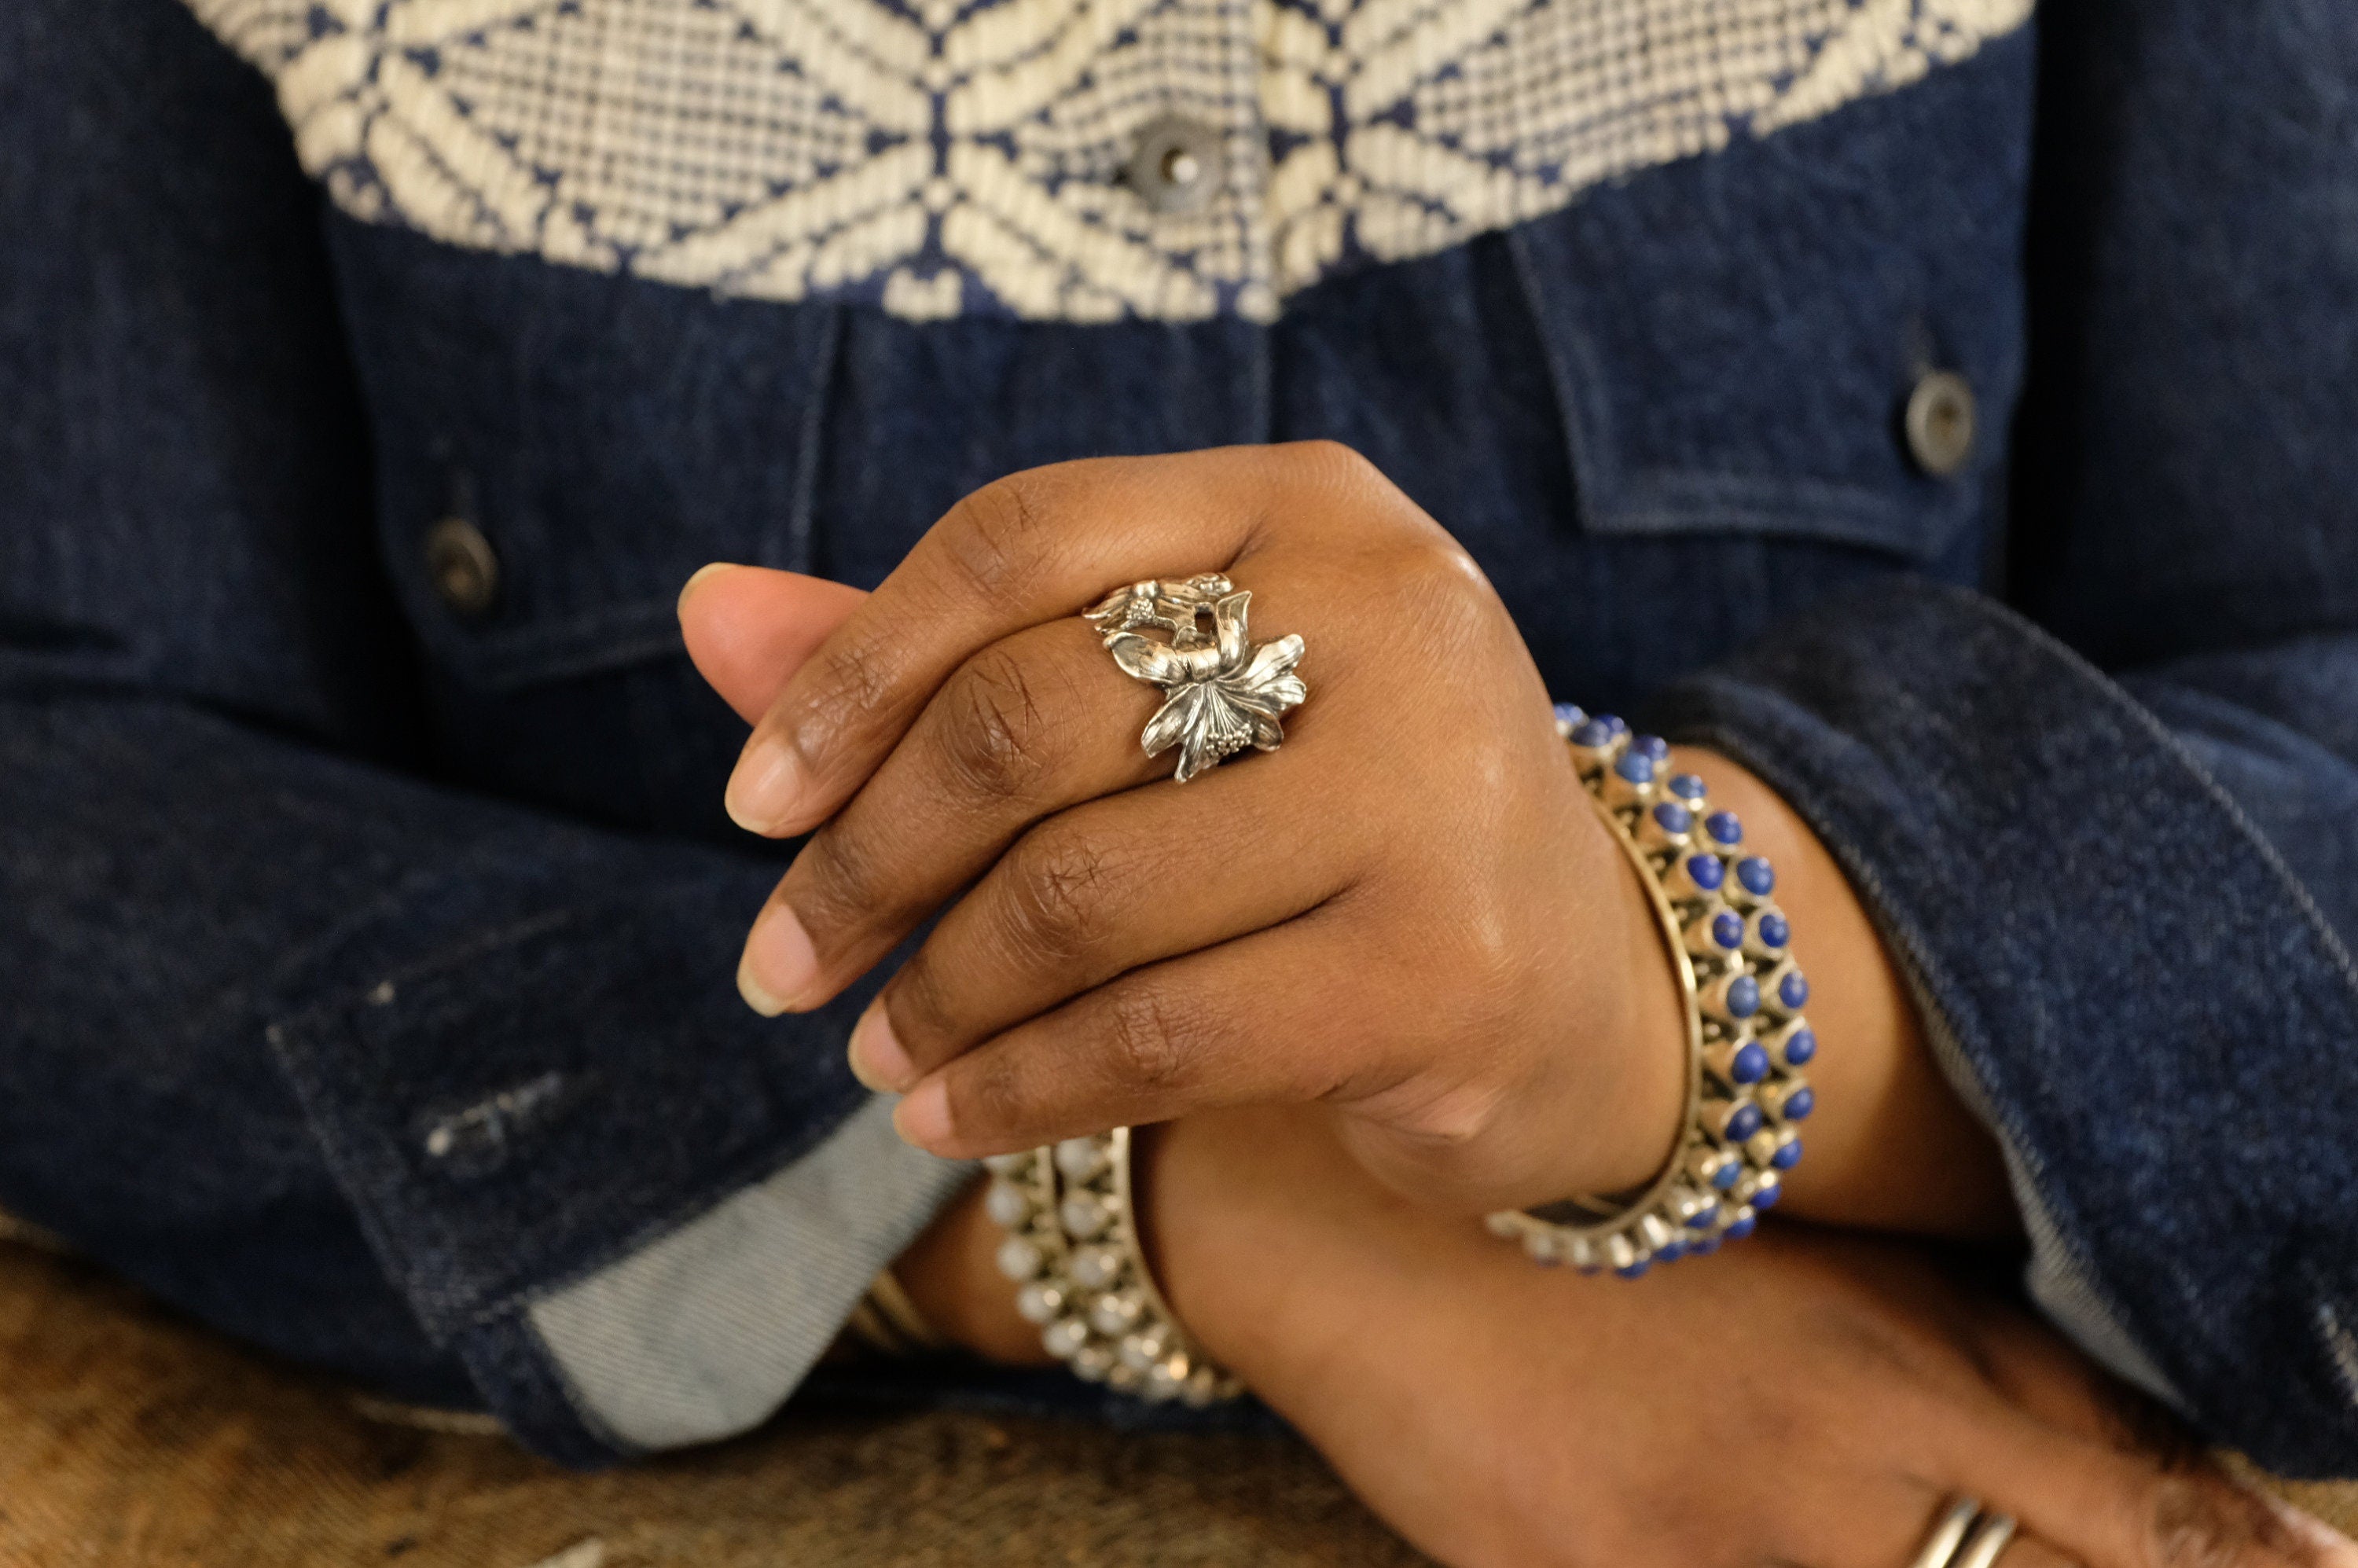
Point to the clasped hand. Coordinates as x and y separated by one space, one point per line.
1409 912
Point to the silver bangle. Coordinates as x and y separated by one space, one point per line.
1747 1040
1072 1248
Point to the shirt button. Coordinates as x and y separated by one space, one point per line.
1941 423
461 567
1177 164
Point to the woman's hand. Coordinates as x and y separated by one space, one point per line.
1409 912
1468 971
1804 1399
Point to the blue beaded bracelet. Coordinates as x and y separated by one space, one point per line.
1747 1041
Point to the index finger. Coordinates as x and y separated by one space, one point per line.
1023 550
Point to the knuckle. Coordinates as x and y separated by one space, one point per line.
989 1097
1058 894
1438 580
2194 1524
997 535
997 737
1455 1117
1347 464
1151 1037
838 884
848 688
923 1013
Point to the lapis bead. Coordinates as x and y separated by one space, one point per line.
1571 714
1793 991
1724 827
1706 871
1670 1251
1654 748
1750 1065
1702 1246
1767 1197
1673 818
1799 1103
1633 1270
1637 770
1741 1229
1704 1218
1799 1046
1788 1156
1614 722
1775 932
1593 733
1758 877
1727 1175
1728 930
1744 1124
1743 997
1687 786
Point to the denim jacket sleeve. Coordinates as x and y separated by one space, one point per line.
357 1063
2113 829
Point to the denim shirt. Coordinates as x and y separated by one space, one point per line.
367 911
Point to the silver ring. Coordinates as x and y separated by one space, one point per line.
1221 691
1948 1534
1989 1538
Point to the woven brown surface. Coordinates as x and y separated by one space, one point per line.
131 1439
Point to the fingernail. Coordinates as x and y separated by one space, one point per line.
780 964
877 1057
923 1116
762 789
698 574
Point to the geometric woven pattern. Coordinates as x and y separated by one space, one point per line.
947 156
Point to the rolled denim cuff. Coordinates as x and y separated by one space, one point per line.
2135 990
704 1332
545 1070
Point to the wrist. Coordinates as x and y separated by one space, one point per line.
1238 1210
951 1274
1891 1146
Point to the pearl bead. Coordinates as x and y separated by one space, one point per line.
1080 1158
1065 1337
1019 1258
1084 1216
1114 1313
1006 1204
1096 1268
1039 1302
1164 1379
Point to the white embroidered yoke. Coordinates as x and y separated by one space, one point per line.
948 156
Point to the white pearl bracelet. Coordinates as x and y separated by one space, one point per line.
1072 1247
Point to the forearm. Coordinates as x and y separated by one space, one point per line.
951 1274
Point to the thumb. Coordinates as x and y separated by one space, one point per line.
749 628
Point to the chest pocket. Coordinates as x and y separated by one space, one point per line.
558 450
1816 335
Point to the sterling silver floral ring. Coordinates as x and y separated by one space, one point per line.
1220 691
